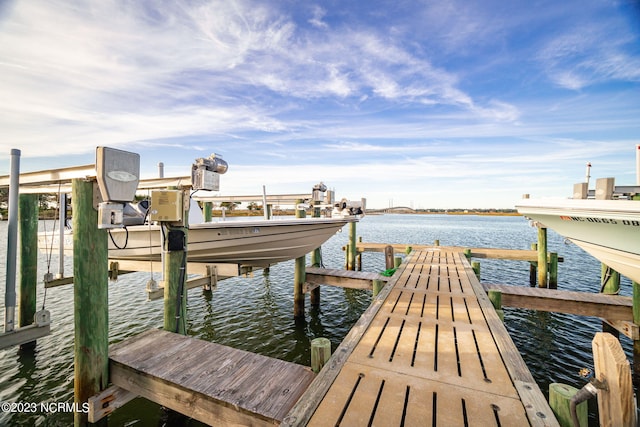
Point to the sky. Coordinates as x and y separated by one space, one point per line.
426 104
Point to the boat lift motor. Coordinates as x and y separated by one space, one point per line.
205 172
318 192
118 174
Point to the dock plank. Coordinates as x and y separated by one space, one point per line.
212 383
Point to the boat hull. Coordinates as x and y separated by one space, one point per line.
249 243
609 230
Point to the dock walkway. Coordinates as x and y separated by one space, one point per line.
430 350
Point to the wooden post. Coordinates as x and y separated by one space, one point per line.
320 353
359 256
408 250
560 401
388 257
90 299
175 275
553 270
610 285
377 287
397 261
467 253
28 220
533 268
436 242
316 260
496 299
609 280
615 402
299 276
542 257
351 265
208 211
476 268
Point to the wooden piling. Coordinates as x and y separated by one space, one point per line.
175 275
533 268
553 270
377 287
28 220
91 305
299 276
496 299
351 264
388 257
208 211
397 261
542 257
476 268
316 261
609 280
560 401
320 353
615 401
609 285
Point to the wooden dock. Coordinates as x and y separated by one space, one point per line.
209 382
430 350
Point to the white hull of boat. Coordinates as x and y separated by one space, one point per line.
251 243
609 230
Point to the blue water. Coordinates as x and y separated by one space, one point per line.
256 313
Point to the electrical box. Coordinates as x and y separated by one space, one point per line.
110 215
203 179
166 205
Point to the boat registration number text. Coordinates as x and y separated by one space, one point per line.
631 222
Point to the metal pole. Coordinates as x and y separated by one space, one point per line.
588 175
12 243
160 170
62 203
264 202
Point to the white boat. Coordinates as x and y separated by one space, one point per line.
255 243
609 230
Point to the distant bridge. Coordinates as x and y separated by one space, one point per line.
395 209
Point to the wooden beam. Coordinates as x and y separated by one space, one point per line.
341 278
107 401
510 254
611 307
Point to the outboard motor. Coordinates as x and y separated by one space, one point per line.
348 208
